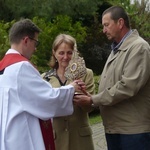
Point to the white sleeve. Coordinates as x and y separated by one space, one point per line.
39 98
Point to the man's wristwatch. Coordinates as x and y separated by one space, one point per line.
92 104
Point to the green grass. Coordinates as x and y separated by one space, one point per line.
95 118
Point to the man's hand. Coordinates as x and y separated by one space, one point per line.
82 100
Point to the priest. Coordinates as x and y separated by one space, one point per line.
24 96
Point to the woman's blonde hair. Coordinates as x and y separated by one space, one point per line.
61 38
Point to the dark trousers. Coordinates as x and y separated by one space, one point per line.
128 141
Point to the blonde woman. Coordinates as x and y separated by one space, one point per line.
71 132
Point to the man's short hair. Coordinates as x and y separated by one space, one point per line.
22 28
118 12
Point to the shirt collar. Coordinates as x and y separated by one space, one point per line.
115 45
12 51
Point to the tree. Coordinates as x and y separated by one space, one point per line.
48 9
140 16
80 18
139 13
61 24
4 43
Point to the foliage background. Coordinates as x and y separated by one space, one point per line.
79 18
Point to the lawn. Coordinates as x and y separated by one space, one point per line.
95 118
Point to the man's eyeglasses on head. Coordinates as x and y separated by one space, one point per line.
36 41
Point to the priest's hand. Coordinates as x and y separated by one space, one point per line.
79 85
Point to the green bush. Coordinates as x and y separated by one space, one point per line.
96 80
50 29
4 42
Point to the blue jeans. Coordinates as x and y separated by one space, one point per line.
128 141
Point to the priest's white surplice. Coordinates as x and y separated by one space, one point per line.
24 98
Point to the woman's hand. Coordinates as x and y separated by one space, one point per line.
79 85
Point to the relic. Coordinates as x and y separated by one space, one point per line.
76 68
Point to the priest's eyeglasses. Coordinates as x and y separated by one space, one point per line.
36 41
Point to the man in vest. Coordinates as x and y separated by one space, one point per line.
24 96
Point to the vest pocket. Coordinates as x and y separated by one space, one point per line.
85 131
